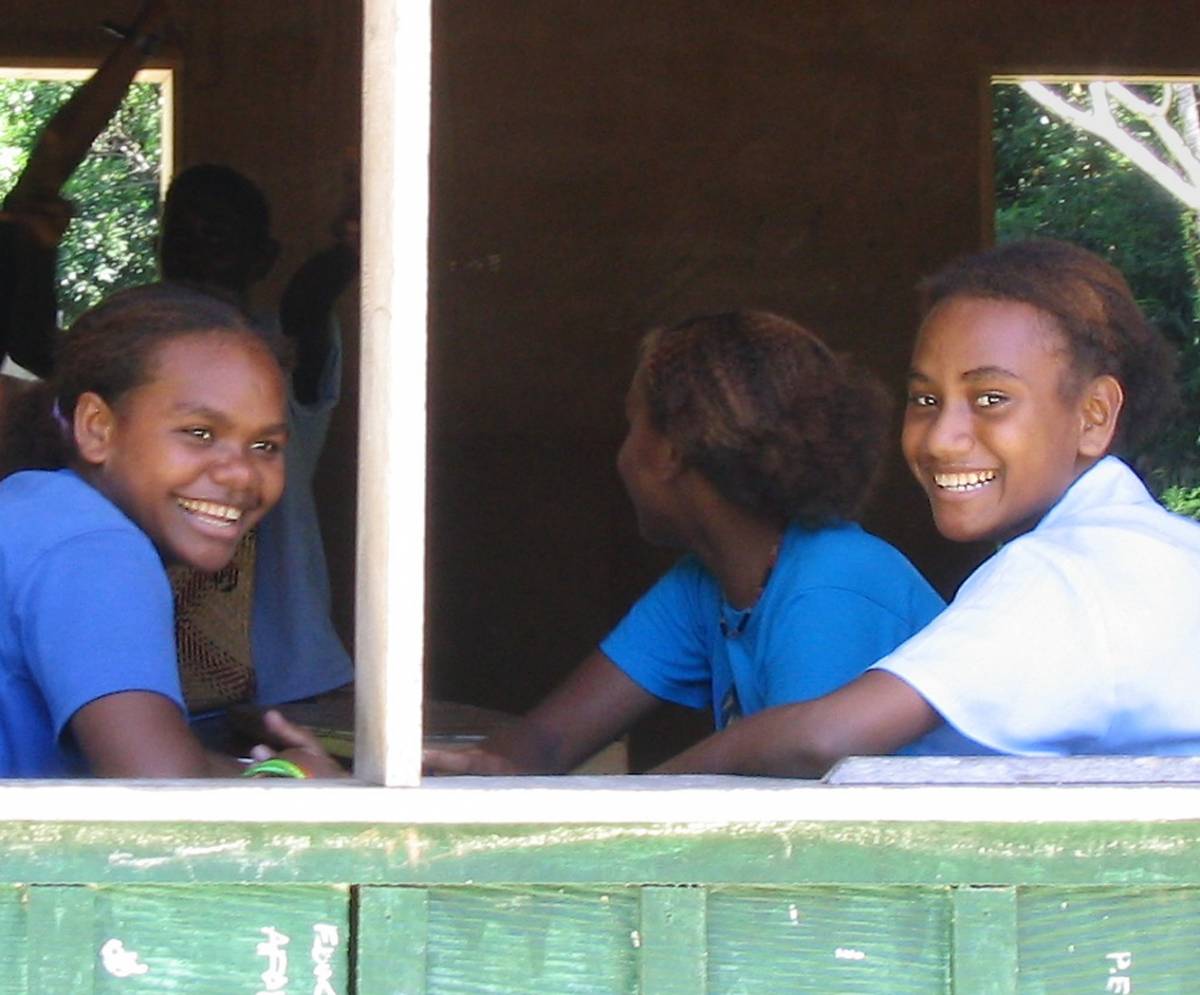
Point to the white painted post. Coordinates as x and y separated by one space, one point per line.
390 605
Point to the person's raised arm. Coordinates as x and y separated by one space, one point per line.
876 714
66 139
594 705
306 308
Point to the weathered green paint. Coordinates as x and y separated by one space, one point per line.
57 921
674 941
840 939
985 956
816 853
916 909
15 939
1079 940
532 939
202 940
392 941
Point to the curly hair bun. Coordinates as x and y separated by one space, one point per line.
758 404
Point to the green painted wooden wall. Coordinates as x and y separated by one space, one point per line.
985 909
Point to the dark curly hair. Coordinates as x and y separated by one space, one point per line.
1092 305
779 424
109 351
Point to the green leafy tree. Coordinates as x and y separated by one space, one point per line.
115 190
1056 178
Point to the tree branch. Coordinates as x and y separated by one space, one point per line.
1101 124
1171 139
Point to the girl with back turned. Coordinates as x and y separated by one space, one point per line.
751 447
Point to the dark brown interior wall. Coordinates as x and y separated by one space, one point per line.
600 167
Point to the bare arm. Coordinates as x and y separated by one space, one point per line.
594 705
70 133
143 734
306 311
306 308
875 714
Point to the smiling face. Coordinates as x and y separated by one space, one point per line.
194 456
992 431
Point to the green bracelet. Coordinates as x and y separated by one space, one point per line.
275 767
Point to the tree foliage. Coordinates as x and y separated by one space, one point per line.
1057 179
115 190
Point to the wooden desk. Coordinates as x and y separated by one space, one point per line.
331 717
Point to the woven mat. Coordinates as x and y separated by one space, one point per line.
212 631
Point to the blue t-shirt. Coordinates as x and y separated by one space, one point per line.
87 612
837 600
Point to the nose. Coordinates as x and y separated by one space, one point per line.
234 469
949 435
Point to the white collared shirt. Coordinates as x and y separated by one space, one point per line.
1081 636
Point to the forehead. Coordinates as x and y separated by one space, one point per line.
962 334
219 369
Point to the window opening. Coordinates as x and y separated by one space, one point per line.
117 189
1114 165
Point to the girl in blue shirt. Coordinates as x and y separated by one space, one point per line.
751 447
159 439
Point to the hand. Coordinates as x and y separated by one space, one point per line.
298 745
471 760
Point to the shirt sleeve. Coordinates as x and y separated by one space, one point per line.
823 638
97 618
1017 661
663 642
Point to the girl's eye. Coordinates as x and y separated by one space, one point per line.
266 447
990 398
200 433
921 400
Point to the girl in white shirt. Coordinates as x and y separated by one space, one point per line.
1032 365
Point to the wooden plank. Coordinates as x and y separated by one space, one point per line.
60 924
673 941
393 941
614 800
207 940
1103 853
1117 940
532 940
985 941
853 941
1016 770
14 940
390 584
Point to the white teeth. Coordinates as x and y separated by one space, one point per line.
220 514
964 481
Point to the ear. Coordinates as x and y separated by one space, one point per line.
1100 404
668 460
95 426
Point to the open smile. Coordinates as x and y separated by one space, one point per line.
963 483
224 516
